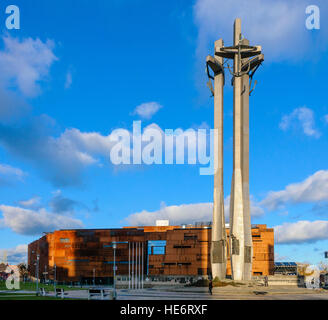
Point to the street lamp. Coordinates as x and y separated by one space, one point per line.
25 272
129 269
37 274
55 278
114 247
94 274
45 274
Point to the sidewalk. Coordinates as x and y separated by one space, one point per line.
241 290
201 293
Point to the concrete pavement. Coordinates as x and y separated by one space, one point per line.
219 293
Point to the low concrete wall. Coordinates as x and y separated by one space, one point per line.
281 280
275 280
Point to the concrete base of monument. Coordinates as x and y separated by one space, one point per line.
180 281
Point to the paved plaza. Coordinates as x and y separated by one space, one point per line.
222 293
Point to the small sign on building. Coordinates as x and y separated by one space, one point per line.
162 223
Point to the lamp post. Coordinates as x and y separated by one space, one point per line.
142 267
37 274
94 274
132 267
55 278
24 278
114 247
45 274
136 266
129 268
139 275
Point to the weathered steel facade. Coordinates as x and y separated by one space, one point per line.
87 254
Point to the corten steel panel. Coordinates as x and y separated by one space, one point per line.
77 252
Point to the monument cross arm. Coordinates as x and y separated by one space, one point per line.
214 65
243 50
252 63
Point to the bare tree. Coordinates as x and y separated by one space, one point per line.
323 267
22 270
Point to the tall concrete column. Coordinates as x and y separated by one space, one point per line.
218 245
237 233
248 249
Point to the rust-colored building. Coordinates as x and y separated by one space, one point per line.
162 251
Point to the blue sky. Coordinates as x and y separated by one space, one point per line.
77 70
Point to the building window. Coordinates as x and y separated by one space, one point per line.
85 233
184 263
204 271
201 271
181 246
156 247
79 260
64 240
188 236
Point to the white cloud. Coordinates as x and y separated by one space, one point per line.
13 106
185 142
203 125
326 118
277 25
312 189
62 159
25 63
86 142
15 255
31 203
147 110
301 116
9 170
184 213
34 222
256 210
8 174
69 80
301 231
60 204
278 257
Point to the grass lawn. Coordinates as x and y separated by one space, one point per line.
16 294
27 296
31 286
31 297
